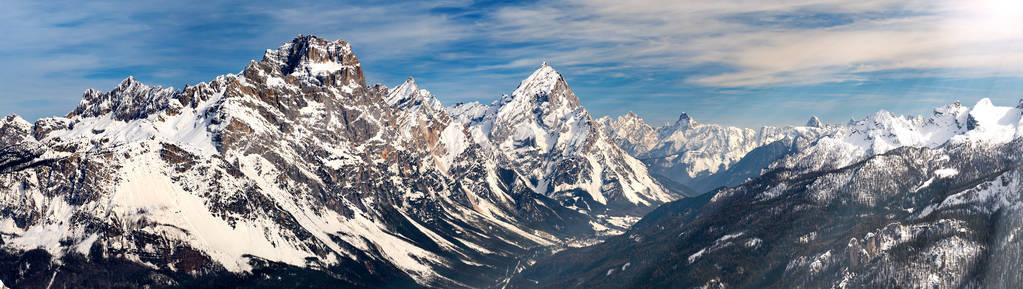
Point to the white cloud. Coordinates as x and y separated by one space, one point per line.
970 38
387 31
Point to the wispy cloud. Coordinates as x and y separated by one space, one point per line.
780 42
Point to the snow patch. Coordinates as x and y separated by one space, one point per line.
946 173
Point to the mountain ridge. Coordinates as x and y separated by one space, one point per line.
296 172
325 178
699 156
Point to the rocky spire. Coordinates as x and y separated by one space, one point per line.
814 122
684 120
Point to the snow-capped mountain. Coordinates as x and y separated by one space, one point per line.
815 122
542 133
894 202
294 171
423 124
699 157
632 133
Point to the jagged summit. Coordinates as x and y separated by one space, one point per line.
404 92
311 57
129 81
130 99
542 79
546 85
814 122
409 94
684 120
542 100
543 133
14 129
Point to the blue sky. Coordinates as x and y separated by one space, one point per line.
735 62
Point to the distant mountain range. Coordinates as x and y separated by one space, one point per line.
296 173
885 202
693 158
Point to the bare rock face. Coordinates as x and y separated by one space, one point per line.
317 60
296 171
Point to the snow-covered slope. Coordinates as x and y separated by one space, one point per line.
295 171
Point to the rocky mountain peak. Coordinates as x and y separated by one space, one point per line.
542 104
13 129
408 94
633 120
545 136
128 82
684 120
545 85
130 99
310 57
814 122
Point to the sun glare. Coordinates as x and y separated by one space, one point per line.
1005 13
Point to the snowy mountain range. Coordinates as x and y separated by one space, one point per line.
693 158
295 171
887 202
